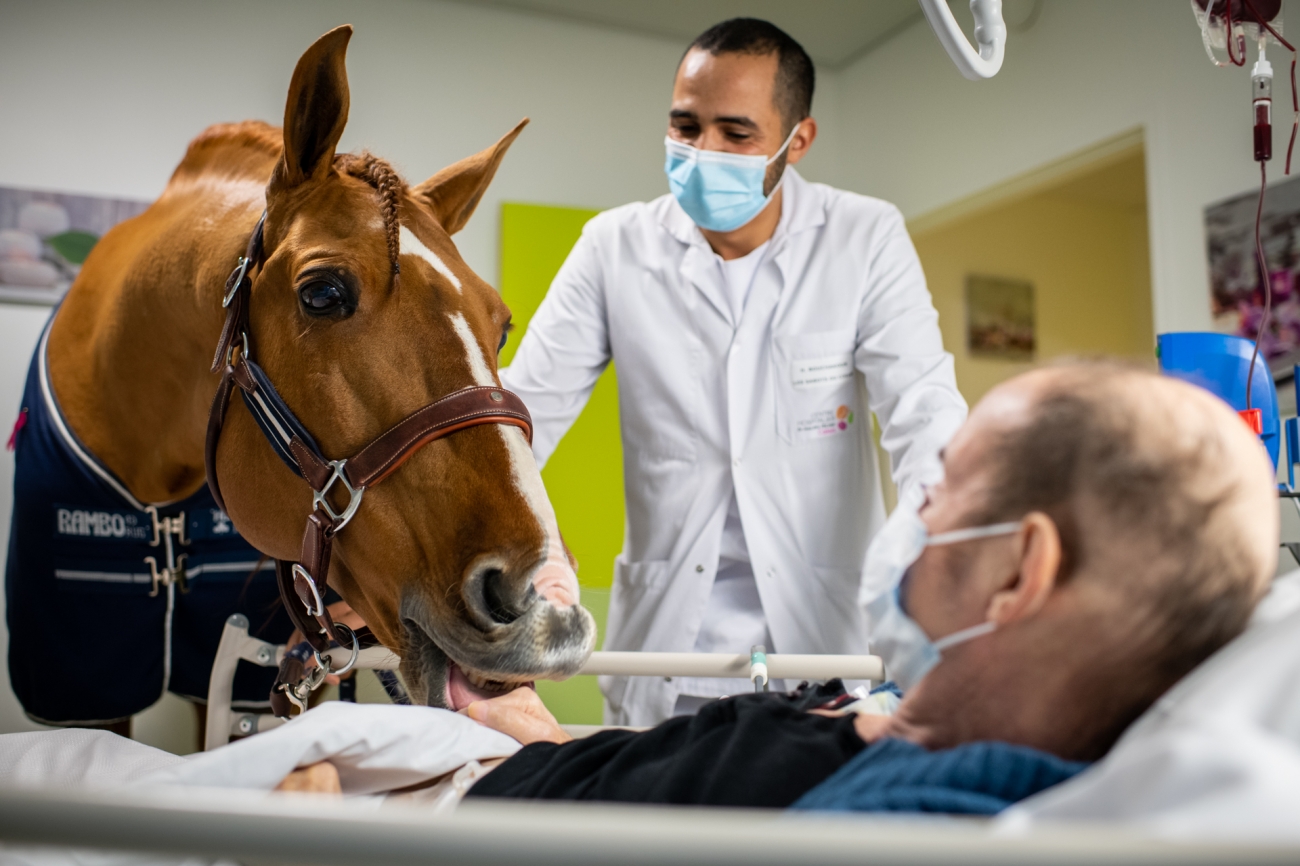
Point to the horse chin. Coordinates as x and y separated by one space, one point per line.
461 665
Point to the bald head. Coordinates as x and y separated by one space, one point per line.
1161 493
1149 528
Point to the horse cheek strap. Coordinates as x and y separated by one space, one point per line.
303 584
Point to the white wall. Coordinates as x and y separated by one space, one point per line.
914 132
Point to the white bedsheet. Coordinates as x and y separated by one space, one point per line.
376 747
1217 758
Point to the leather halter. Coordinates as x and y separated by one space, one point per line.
303 583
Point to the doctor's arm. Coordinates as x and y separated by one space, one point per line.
564 350
911 385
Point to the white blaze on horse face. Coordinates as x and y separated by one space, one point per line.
412 246
555 580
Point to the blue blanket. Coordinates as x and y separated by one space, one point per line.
972 779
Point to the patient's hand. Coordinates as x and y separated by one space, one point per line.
519 714
321 778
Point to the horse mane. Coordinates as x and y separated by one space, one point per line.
268 141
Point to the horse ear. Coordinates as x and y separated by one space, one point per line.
317 108
454 192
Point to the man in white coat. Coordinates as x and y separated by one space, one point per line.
757 321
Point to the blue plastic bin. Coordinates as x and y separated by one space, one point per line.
1219 363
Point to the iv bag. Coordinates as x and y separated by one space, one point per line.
1211 14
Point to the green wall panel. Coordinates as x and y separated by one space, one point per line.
584 476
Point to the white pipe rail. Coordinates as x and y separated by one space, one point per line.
779 665
236 643
286 829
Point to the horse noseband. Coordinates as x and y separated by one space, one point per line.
303 583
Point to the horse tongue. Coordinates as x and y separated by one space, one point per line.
461 692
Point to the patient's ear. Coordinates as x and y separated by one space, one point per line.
1038 559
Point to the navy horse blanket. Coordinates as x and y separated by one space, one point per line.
97 631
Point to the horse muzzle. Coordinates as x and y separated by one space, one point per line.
450 661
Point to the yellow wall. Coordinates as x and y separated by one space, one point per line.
1084 247
584 477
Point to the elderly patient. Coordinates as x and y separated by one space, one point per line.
1147 531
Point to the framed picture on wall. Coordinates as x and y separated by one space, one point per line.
45 236
1000 318
1236 289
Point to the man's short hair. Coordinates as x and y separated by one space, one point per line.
1122 475
795 76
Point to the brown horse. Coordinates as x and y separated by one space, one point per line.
362 311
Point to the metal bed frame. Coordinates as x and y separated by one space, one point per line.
298 829
223 721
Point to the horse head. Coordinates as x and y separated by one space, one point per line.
362 312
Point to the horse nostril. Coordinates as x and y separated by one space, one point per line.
496 597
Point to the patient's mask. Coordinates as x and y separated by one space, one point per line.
720 191
908 652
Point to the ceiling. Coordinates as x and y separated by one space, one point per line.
833 32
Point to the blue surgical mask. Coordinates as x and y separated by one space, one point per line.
719 191
908 652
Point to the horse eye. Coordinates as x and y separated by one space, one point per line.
321 297
504 334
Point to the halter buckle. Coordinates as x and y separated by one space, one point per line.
318 499
299 571
236 280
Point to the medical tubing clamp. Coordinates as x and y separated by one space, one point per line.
303 584
758 667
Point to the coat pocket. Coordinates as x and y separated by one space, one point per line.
815 385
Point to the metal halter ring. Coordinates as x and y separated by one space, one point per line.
299 571
323 662
354 496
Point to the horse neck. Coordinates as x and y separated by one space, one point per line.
131 347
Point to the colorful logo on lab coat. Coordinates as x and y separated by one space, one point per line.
821 423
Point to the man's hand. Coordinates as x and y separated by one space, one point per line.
519 714
342 612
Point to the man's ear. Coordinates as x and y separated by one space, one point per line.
1038 560
454 192
316 110
802 140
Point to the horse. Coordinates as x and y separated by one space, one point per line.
362 311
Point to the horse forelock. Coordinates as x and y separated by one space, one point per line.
385 180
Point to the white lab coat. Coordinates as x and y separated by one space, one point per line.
838 320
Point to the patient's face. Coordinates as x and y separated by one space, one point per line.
949 587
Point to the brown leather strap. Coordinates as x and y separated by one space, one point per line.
465 408
315 469
217 418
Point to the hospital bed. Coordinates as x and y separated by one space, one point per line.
223 721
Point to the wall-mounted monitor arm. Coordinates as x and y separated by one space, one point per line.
990 35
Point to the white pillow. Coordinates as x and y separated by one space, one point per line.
1218 757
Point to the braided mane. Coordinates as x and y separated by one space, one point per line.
385 180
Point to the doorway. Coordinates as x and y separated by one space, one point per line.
1069 240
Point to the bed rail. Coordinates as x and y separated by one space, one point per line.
288 829
223 721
